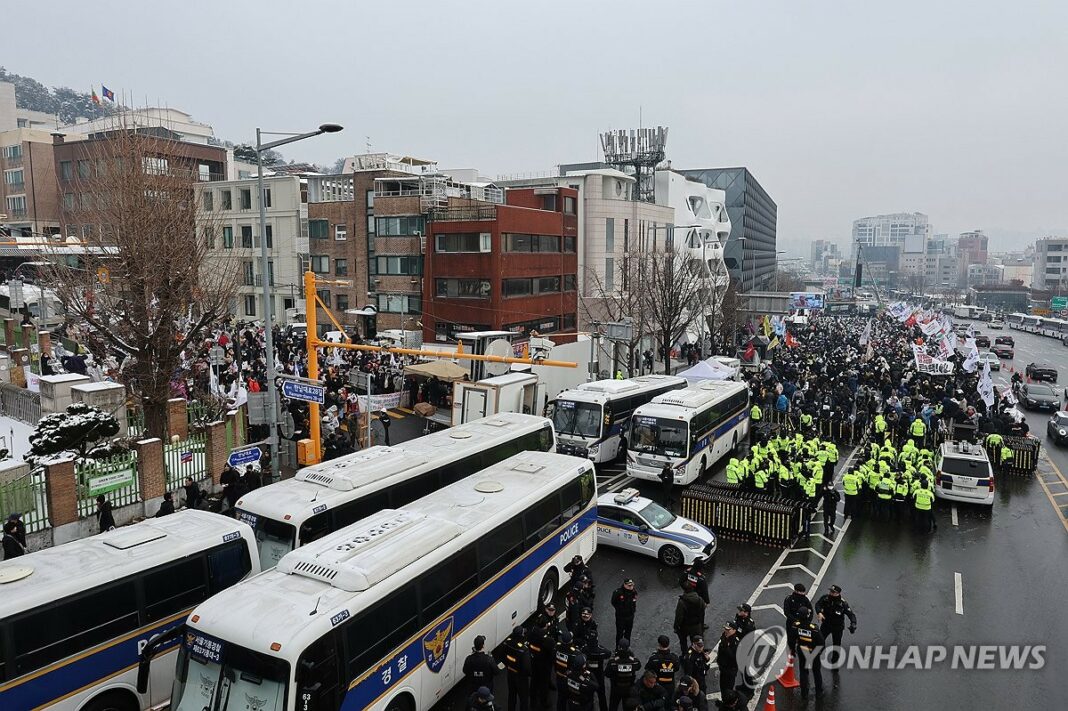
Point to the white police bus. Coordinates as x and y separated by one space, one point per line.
328 496
591 420
380 615
73 618
689 429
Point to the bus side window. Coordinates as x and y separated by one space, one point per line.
380 628
361 508
545 438
318 676
173 588
314 528
228 565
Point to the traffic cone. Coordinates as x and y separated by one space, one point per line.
769 704
788 679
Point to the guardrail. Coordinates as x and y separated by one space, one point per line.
20 403
745 516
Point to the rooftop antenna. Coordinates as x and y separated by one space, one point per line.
316 609
368 144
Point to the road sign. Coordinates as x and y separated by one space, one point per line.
302 391
1059 303
247 455
16 299
258 408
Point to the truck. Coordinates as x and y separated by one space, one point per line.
966 311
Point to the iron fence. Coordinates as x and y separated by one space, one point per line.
116 478
20 403
26 495
187 458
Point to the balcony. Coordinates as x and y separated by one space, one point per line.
474 213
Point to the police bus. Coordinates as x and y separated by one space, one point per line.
328 496
1030 324
689 429
1052 327
73 618
1015 320
591 421
381 614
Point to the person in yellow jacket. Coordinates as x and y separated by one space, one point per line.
923 503
755 414
918 430
851 488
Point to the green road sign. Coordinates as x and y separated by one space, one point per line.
1059 303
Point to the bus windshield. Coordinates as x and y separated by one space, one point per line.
657 435
219 676
577 418
273 538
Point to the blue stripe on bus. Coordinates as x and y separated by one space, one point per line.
84 670
388 675
676 537
727 426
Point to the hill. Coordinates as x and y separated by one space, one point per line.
66 102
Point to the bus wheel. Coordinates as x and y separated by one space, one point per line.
547 589
403 702
113 701
670 556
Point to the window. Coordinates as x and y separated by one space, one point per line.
610 234
13 152
462 288
68 201
154 165
246 198
569 205
463 242
17 205
227 199
267 197
246 236
209 201
569 245
531 243
517 287
498 550
84 169
341 232
1054 247
401 266
324 296
380 628
209 237
449 581
1053 260
85 200
203 172
541 519
549 285
370 195
14 177
400 226
320 263
569 322
341 302
570 282
66 170
174 588
228 237
548 202
250 305
318 229
341 267
318 675
399 304
609 274
248 272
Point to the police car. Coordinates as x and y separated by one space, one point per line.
630 521
963 473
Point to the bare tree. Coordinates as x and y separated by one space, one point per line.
620 298
145 286
671 287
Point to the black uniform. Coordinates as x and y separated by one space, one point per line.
479 670
596 660
791 608
518 664
665 664
809 642
625 603
696 664
622 672
543 651
577 568
835 610
727 661
581 690
744 625
653 698
584 630
565 652
695 574
831 497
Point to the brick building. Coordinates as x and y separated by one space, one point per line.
511 266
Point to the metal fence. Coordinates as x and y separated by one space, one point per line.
20 403
199 413
26 495
116 478
187 458
135 423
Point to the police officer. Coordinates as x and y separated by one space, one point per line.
727 658
597 657
667 481
479 667
481 700
565 652
664 664
731 701
622 673
625 602
581 686
576 569
549 616
650 694
518 664
743 620
542 642
831 497
832 610
695 574
851 483
689 615
585 628
923 500
810 642
792 606
696 663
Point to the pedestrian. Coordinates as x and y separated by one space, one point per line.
664 664
481 700
384 419
581 686
727 658
20 528
689 616
667 481
518 665
231 482
479 667
809 641
625 602
622 673
193 494
104 517
166 506
650 694
250 480
832 611
831 497
12 547
696 663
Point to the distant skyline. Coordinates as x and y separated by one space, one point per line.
955 109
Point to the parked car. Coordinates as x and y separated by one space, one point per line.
963 473
982 341
1002 351
991 358
1057 427
1005 340
1039 396
1041 371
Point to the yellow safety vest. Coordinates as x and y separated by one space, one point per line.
918 428
924 497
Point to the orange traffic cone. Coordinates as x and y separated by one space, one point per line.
769 704
788 679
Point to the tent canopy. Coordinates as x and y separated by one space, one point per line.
441 369
710 369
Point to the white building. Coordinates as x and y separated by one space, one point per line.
230 219
1051 264
702 225
908 231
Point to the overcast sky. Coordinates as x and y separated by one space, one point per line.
955 108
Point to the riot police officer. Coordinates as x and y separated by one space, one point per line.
542 642
548 614
727 658
576 569
479 667
696 663
743 620
625 602
664 664
565 652
517 662
832 611
622 673
596 660
581 686
810 642
695 575
585 627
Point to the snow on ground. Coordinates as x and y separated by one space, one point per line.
15 436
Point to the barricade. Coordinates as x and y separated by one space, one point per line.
1024 459
740 515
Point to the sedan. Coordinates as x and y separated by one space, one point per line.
1041 371
1002 351
1005 340
1057 427
992 359
997 325
982 341
630 521
1036 396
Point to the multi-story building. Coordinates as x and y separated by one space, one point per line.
1051 264
750 253
971 250
984 274
1017 269
1007 298
229 214
908 231
820 251
510 266
29 192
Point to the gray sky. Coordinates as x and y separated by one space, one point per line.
955 108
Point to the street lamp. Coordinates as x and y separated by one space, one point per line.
268 326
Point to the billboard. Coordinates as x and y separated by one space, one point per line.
805 300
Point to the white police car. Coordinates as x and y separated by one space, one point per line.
633 522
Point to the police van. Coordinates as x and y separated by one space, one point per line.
630 521
963 473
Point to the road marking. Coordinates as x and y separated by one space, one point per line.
809 550
798 565
958 593
1049 494
771 606
953 514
